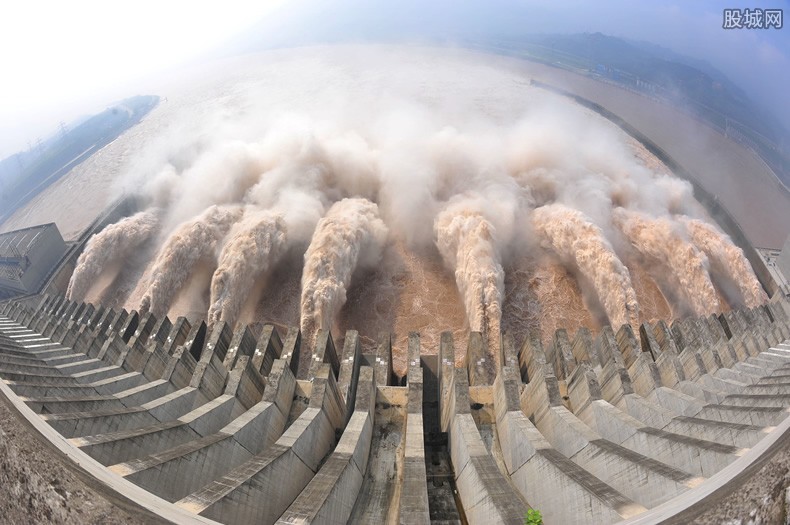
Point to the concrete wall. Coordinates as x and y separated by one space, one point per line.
596 435
783 262
46 248
44 255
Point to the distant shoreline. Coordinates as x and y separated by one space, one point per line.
67 162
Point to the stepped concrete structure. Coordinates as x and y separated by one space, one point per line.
197 424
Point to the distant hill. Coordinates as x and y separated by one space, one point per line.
658 72
25 174
691 84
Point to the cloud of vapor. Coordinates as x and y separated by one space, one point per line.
729 259
576 240
111 244
558 155
662 240
310 166
351 234
199 186
342 153
188 244
759 62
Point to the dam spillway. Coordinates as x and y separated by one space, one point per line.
206 425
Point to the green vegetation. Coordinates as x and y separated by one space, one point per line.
533 517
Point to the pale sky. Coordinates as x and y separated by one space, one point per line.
757 60
59 59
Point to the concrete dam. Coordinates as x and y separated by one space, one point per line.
394 310
192 425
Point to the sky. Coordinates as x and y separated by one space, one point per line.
61 59
756 60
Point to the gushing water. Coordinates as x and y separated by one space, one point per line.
351 233
111 244
575 239
722 252
473 169
467 242
256 243
660 240
191 241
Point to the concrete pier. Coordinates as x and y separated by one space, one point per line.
217 425
414 506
